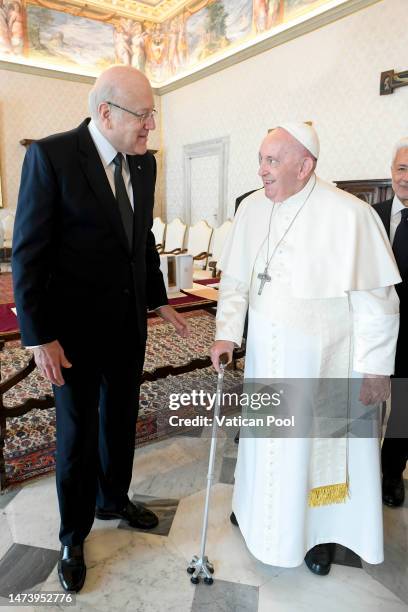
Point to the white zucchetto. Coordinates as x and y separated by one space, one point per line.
305 134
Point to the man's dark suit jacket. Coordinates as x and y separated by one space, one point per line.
237 203
401 363
73 270
394 453
243 196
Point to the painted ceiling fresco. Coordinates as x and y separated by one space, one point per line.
172 39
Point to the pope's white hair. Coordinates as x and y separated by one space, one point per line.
98 94
401 144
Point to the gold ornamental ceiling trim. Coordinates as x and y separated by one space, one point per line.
131 9
80 9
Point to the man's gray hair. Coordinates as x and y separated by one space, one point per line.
99 94
401 144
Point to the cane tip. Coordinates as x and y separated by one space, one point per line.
224 359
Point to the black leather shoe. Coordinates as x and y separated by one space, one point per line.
393 491
233 519
72 568
136 514
318 559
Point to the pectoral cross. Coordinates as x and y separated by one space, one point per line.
264 278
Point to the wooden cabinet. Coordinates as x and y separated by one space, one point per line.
371 191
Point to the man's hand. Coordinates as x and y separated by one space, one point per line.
219 348
168 313
49 358
375 389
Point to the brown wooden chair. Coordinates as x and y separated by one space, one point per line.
198 244
159 230
174 241
218 240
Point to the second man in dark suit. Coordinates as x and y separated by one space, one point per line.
394 214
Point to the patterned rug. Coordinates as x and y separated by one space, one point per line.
30 441
165 347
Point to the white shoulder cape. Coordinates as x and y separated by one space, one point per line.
341 244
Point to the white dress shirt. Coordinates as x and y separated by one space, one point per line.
107 153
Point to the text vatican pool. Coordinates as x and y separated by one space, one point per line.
235 421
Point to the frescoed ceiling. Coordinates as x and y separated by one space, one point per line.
170 40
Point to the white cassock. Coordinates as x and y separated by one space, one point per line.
330 311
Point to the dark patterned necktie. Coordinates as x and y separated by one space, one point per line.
400 245
122 198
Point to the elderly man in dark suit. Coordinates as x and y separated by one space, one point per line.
85 271
394 214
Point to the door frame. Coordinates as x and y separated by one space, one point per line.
218 147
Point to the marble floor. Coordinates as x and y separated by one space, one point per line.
146 572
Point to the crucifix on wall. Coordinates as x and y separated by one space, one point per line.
391 80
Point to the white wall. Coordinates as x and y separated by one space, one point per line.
330 76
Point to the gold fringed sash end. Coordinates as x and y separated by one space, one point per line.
329 494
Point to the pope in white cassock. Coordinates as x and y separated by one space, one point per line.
314 267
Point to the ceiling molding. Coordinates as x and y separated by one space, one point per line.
45 72
53 74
